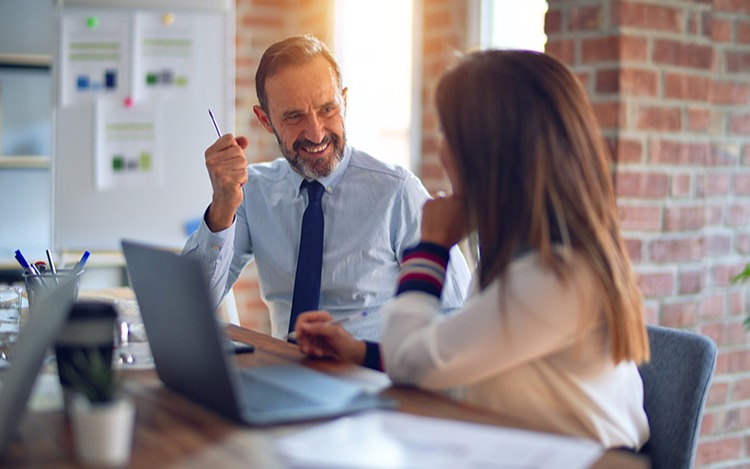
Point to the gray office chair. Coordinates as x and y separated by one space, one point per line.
675 385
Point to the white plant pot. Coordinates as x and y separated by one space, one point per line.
103 432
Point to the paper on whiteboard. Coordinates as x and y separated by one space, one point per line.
128 152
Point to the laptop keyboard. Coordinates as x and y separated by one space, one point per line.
263 395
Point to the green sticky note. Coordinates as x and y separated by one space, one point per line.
92 22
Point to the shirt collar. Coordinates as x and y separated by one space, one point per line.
330 181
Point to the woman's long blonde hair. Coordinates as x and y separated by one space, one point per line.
534 171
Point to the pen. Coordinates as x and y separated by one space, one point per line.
213 119
79 265
216 126
25 264
51 262
293 335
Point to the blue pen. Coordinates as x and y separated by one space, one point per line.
79 265
213 119
25 264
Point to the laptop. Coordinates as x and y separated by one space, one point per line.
46 320
193 356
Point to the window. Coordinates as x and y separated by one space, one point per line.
508 24
373 44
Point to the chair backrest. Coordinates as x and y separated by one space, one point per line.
675 385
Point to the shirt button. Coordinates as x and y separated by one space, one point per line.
329 189
215 247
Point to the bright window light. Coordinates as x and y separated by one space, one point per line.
513 24
373 44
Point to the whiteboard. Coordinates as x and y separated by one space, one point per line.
85 216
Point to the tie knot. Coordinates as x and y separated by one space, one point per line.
314 190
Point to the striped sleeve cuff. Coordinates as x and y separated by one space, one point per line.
423 269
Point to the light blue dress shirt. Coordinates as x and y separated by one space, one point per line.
372 213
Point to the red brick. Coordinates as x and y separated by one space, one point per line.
733 361
438 19
679 315
640 218
721 30
656 284
671 152
633 247
743 243
690 282
741 389
563 49
681 185
642 185
626 150
684 218
585 18
658 118
633 48
741 184
714 214
717 394
717 244
725 334
713 185
712 306
732 6
739 124
258 21
687 87
609 115
707 423
647 16
698 119
721 275
627 81
600 49
553 21
723 92
743 32
738 215
675 250
737 62
670 52
736 302
614 49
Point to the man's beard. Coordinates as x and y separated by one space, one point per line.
312 167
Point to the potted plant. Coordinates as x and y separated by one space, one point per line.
101 416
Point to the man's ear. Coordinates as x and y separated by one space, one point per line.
263 118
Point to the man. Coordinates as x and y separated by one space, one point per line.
371 209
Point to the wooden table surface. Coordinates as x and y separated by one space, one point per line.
173 431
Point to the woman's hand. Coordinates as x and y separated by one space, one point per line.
317 337
444 221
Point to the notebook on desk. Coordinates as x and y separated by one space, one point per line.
190 351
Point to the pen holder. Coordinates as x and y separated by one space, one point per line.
39 285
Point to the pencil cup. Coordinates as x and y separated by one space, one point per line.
39 285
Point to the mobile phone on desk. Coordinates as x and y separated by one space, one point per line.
242 347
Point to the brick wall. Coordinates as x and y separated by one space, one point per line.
669 83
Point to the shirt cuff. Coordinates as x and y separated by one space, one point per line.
423 269
372 356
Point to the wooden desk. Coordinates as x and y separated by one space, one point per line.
170 430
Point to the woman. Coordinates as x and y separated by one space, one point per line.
554 329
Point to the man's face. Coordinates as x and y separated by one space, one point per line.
306 113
